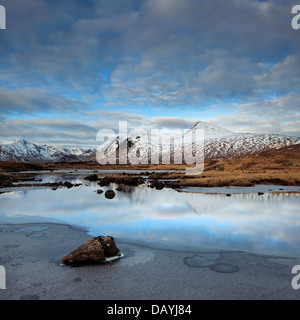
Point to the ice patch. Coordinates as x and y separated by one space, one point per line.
109 259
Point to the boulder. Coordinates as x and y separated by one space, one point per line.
94 250
128 180
5 181
134 181
218 167
92 177
99 191
68 184
109 194
89 252
157 185
104 182
109 246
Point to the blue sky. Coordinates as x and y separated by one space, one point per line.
70 68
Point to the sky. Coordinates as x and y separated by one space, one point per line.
71 68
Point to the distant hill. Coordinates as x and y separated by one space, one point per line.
219 143
25 151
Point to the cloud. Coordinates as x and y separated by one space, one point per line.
69 133
274 116
35 100
66 60
173 122
272 79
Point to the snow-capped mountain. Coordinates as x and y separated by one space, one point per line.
211 131
246 143
218 143
22 150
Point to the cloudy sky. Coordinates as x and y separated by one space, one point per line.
69 68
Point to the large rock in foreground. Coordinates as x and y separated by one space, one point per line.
95 250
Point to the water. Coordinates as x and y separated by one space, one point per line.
193 218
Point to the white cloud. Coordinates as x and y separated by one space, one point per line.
235 61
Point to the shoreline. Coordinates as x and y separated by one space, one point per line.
31 254
272 167
155 179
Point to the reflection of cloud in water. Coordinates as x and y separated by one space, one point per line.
269 223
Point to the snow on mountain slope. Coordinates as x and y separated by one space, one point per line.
22 150
245 143
211 131
218 143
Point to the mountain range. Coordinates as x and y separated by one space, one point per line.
219 143
24 151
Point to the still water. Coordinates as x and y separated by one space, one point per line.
192 218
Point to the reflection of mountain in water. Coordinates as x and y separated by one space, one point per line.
267 223
168 203
237 204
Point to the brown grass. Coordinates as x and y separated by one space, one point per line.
280 167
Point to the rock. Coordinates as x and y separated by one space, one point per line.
92 177
121 179
157 185
109 194
218 167
260 193
99 191
228 194
76 184
103 182
109 246
119 188
5 181
287 164
94 250
89 252
68 184
133 181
